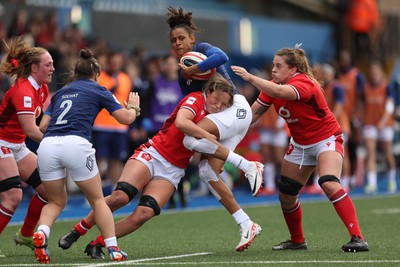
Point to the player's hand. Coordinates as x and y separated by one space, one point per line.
133 99
242 72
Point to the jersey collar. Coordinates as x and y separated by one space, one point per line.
33 82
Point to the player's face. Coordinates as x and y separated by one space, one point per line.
181 41
43 72
281 72
217 101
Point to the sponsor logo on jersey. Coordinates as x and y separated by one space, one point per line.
190 100
27 102
241 113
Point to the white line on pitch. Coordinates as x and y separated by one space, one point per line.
147 259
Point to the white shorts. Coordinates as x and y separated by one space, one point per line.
17 151
159 167
307 155
274 138
233 123
56 154
371 132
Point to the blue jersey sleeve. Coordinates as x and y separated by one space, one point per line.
338 93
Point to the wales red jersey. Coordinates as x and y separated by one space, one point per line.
308 117
25 96
169 140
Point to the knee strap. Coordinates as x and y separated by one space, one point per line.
12 182
149 201
328 178
34 179
289 186
206 174
127 188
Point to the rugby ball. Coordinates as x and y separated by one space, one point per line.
192 58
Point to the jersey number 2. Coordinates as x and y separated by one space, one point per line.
66 105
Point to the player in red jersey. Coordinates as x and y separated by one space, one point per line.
22 104
156 167
316 142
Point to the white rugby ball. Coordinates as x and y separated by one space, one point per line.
192 58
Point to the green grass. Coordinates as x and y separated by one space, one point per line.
214 232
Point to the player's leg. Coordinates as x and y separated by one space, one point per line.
10 187
92 189
291 181
127 188
29 174
154 196
208 170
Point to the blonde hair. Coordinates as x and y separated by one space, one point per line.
296 57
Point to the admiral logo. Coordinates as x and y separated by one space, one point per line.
241 113
27 102
328 144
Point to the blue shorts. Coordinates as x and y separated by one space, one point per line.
110 145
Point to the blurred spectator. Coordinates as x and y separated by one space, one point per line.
162 96
18 25
273 145
335 97
378 127
353 81
363 19
110 138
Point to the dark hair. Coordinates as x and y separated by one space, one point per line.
86 66
178 19
217 83
20 58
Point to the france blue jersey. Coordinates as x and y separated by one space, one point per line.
216 58
74 108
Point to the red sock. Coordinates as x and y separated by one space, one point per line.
82 227
293 220
32 216
99 239
345 209
5 217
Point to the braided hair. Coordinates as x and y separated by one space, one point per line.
177 18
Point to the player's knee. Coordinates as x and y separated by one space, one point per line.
34 179
200 145
13 188
206 173
328 178
330 187
128 189
289 186
150 202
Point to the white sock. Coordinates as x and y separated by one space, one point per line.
111 242
269 175
372 178
241 218
45 229
392 175
345 181
238 161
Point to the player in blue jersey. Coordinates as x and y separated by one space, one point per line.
229 126
66 146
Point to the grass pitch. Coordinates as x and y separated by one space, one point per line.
209 237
